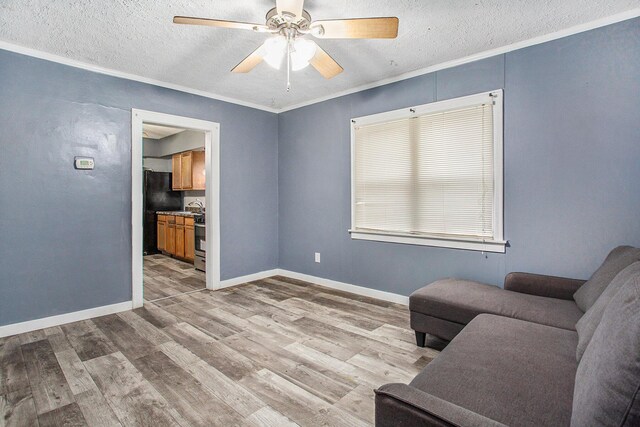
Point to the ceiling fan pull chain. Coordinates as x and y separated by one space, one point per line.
288 63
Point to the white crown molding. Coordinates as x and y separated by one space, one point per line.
347 287
128 76
61 319
630 14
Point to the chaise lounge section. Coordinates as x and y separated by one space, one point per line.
444 307
544 362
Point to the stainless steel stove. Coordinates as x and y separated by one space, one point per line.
199 228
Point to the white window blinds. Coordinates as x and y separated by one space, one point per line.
431 174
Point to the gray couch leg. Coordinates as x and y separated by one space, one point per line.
420 338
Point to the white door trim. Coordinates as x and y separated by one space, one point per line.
212 202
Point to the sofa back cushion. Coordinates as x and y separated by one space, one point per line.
616 261
588 323
607 388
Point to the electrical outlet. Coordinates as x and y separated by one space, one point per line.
318 257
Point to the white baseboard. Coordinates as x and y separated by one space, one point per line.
61 319
248 278
347 287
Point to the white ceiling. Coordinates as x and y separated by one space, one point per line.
158 132
138 37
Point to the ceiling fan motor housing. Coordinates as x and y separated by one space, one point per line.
277 22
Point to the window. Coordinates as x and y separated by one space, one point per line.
430 175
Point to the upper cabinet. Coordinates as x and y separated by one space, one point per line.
188 171
176 181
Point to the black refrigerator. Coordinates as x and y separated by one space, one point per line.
158 196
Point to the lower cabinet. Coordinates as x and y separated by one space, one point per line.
179 241
175 236
170 239
161 231
189 240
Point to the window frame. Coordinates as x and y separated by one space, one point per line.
497 244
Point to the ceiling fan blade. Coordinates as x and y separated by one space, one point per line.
250 62
293 7
357 28
325 64
219 23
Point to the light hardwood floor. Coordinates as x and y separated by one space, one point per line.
273 352
166 277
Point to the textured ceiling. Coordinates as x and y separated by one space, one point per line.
138 37
158 131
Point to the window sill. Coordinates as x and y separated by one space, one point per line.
440 242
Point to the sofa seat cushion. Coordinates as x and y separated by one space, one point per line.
461 300
512 371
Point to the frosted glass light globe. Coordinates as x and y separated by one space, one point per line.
303 51
275 48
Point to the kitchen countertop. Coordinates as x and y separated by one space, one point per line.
178 213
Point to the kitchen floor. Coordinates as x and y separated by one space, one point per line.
166 277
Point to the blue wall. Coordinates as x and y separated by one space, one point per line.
572 166
65 240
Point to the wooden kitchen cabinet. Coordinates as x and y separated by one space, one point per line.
197 170
188 171
170 239
176 236
176 170
189 239
161 232
179 241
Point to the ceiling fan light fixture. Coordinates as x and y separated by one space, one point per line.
290 23
302 52
275 49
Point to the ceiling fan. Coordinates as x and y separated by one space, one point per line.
289 24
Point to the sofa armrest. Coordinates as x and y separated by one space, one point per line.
404 405
541 285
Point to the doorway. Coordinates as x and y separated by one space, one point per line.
168 203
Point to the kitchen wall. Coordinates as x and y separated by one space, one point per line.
157 165
176 143
192 196
66 234
571 166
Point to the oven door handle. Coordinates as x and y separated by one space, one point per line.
200 225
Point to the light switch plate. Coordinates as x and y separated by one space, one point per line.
84 162
318 257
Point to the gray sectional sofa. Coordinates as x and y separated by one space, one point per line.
543 351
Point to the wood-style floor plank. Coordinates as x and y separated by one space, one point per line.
49 386
13 372
96 410
18 409
125 337
68 415
76 374
133 399
217 383
192 400
273 352
285 397
267 417
87 340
